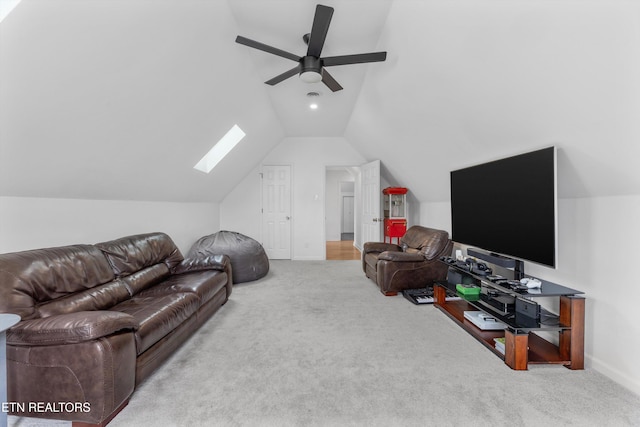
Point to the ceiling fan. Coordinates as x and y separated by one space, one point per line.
311 67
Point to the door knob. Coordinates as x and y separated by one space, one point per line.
288 217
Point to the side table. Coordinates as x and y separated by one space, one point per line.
6 321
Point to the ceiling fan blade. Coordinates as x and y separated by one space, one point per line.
277 79
331 83
319 30
266 48
354 59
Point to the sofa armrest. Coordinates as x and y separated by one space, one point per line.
209 262
100 373
401 257
70 328
380 247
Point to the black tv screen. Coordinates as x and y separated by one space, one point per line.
508 206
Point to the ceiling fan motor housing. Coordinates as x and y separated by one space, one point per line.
310 63
310 69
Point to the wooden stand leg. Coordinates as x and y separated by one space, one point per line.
571 342
439 294
516 354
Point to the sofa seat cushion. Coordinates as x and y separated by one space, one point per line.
158 315
205 284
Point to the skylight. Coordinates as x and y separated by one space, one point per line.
6 6
220 150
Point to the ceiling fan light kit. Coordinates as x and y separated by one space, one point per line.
310 76
311 67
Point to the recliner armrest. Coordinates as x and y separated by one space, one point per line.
70 328
210 262
401 256
380 247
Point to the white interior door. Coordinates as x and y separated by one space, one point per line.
371 220
276 211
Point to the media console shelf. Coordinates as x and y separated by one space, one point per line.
523 345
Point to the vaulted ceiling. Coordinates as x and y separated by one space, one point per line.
107 99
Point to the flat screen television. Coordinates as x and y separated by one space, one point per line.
508 206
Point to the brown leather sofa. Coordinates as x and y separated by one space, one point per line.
414 263
98 319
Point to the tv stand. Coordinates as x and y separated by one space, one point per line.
523 344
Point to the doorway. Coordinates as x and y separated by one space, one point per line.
340 213
342 250
348 218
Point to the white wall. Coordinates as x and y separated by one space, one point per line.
31 223
240 209
597 252
308 157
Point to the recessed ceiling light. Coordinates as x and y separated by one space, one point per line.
220 149
313 96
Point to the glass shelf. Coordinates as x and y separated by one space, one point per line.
548 320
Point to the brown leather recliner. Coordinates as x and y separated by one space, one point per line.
414 263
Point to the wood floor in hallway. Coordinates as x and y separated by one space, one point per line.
342 250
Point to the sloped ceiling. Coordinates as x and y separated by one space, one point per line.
104 99
119 99
473 81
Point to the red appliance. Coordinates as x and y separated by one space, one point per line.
395 213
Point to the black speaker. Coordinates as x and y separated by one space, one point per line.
527 313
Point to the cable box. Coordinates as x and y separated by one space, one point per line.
497 301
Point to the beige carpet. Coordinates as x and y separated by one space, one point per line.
314 343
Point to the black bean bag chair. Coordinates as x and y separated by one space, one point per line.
248 259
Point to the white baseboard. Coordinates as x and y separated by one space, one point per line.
614 374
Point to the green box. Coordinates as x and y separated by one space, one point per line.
468 290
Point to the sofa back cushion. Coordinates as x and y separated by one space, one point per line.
145 278
130 254
101 297
32 278
428 241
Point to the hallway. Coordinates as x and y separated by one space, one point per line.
342 250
